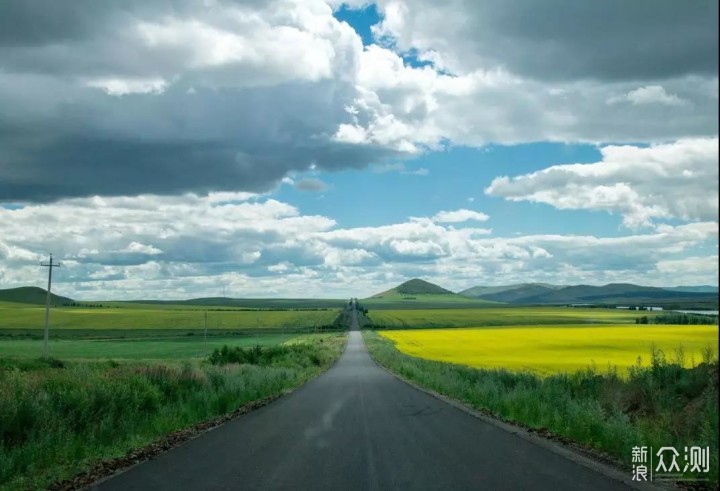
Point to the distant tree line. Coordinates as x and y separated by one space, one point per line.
85 305
684 319
360 308
263 309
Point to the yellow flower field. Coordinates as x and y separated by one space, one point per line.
549 350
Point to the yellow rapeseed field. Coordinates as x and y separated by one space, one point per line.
547 350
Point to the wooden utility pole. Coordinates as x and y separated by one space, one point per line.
206 330
49 265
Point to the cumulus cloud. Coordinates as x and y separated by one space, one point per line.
188 245
558 40
220 96
643 184
457 216
129 98
650 94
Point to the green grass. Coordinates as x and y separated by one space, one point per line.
58 419
232 303
134 349
423 301
659 404
25 316
499 316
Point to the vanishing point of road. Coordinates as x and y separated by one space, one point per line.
356 427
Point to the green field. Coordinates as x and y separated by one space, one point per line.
161 316
233 303
395 300
499 316
180 348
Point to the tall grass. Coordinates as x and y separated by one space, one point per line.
659 403
56 418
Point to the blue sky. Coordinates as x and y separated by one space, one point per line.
456 178
329 148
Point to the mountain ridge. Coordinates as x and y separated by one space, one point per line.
32 295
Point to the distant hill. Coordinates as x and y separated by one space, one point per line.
31 294
614 293
418 293
415 287
514 294
694 289
477 291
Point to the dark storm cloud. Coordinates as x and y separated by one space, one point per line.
199 101
568 39
226 140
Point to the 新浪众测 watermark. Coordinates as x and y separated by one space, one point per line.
668 463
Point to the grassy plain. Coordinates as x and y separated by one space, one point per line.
500 316
143 316
394 300
658 404
177 348
58 418
548 350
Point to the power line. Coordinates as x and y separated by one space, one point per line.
49 265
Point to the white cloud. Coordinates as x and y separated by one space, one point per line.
190 246
690 266
118 86
650 94
674 180
541 41
351 133
457 216
137 247
399 167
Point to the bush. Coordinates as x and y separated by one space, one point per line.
284 355
55 421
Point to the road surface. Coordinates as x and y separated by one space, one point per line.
358 427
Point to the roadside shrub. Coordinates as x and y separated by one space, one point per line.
283 355
56 421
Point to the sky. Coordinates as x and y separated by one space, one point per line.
308 148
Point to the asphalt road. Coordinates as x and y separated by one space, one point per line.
358 427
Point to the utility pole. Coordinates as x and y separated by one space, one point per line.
206 330
49 265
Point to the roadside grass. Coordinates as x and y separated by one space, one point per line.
26 316
548 350
184 347
499 316
58 418
658 404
